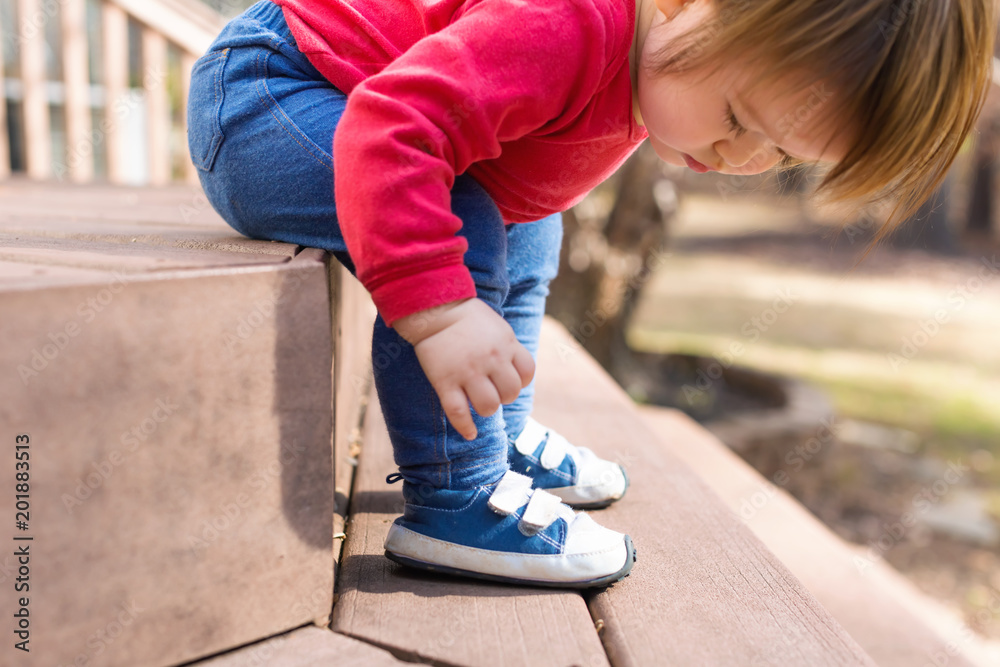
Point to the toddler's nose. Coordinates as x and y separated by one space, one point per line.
750 154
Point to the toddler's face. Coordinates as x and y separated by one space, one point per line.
718 121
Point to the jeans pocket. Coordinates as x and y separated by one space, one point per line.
205 135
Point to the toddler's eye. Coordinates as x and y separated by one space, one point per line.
734 125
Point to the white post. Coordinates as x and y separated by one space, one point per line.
37 138
79 145
115 68
154 81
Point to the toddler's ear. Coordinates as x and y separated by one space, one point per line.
670 8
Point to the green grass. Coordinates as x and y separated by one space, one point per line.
953 417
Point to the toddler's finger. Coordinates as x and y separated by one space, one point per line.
456 409
483 395
524 365
507 381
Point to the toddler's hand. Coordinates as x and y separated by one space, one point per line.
469 353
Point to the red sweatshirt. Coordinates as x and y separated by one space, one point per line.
532 97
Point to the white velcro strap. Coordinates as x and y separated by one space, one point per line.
530 437
510 494
542 510
556 449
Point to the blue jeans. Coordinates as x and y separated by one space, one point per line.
261 123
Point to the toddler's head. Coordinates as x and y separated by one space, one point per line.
884 92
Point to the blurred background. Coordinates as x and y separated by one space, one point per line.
862 379
868 388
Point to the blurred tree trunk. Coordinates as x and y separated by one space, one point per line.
612 244
979 217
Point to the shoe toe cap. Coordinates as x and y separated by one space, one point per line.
606 550
599 481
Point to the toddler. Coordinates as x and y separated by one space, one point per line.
430 146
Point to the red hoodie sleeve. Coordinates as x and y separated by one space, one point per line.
501 70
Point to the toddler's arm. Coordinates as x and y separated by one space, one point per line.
469 353
499 70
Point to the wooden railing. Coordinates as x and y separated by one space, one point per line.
97 116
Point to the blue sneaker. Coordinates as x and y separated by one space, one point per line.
506 532
575 474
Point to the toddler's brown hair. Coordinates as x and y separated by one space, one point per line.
912 76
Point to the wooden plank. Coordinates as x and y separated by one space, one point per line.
55 234
37 136
115 68
79 158
187 64
354 316
154 82
139 235
306 647
353 379
180 432
125 258
4 138
21 275
867 600
705 590
442 619
178 205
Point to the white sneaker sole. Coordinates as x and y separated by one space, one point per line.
408 547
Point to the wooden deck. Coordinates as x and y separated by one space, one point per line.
223 523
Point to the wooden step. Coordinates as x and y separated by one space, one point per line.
180 425
705 590
440 619
887 615
352 383
305 647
